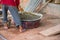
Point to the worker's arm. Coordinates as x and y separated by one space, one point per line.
18 6
17 2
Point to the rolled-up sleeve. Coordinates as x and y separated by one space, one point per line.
17 2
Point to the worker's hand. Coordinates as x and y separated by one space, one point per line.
20 8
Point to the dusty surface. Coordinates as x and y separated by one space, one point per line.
33 34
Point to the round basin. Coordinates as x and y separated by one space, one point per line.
31 20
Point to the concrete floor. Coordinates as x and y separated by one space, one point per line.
33 34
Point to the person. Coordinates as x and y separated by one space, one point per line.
12 6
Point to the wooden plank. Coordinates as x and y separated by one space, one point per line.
51 31
44 5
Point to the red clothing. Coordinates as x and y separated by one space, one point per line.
10 2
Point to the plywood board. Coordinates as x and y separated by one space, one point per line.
51 31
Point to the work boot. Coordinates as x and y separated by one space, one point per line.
6 25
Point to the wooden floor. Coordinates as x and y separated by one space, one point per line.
33 34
